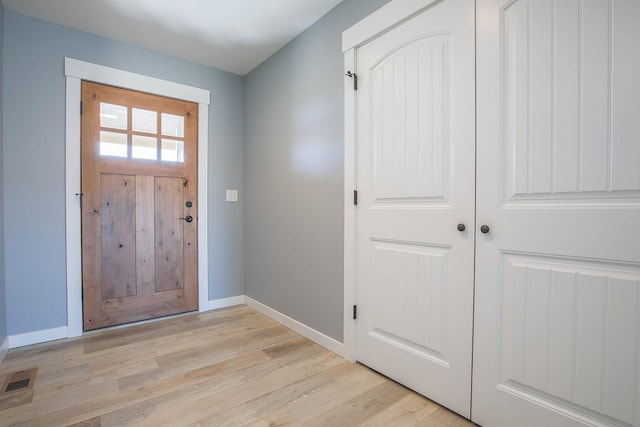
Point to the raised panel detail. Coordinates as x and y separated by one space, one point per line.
570 335
145 235
570 101
118 243
410 103
169 233
411 279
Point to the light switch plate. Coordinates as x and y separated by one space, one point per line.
232 195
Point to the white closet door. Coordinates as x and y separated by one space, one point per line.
415 127
557 318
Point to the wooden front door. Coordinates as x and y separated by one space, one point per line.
139 207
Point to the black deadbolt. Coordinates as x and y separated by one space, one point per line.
188 204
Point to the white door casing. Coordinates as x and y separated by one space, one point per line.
557 312
416 172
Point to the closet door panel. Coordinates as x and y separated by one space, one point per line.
556 338
415 177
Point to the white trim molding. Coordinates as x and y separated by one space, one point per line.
350 185
379 22
4 348
318 337
37 337
225 302
382 20
203 206
125 79
75 72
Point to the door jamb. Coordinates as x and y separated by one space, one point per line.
350 217
75 72
379 22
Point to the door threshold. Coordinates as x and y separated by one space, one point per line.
138 323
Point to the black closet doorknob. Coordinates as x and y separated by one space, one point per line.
461 227
485 229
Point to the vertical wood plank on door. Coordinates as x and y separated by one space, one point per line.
399 85
384 152
412 308
169 233
620 380
426 124
537 327
595 93
383 315
567 99
190 230
541 99
516 342
625 98
91 268
145 235
589 341
562 352
412 173
516 92
440 285
441 74
118 193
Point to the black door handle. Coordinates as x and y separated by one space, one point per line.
485 229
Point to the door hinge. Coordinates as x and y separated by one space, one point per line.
354 76
80 107
80 195
355 312
355 197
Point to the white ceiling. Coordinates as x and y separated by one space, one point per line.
232 35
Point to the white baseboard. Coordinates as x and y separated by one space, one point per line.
37 337
29 338
223 303
4 348
318 337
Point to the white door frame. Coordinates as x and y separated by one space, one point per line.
75 72
384 19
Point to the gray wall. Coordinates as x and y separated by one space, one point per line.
3 304
294 174
34 163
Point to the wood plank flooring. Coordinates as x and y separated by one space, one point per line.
230 367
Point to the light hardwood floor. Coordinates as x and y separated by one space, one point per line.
227 367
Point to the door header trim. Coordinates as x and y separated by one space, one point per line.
382 20
128 80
